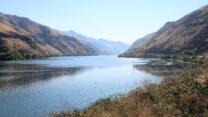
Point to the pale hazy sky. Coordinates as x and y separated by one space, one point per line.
118 20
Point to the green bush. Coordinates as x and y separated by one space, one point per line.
127 54
11 55
166 57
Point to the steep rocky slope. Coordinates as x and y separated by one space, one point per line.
188 35
29 38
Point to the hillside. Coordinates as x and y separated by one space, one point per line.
101 46
30 39
139 41
188 36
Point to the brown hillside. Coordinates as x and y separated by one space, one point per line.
189 34
28 37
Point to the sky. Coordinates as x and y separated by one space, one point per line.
117 20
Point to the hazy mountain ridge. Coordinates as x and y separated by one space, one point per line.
186 35
101 46
22 34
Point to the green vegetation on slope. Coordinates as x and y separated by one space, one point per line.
127 54
18 54
10 55
183 57
186 95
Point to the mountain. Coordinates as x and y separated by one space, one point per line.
139 41
188 35
28 38
101 46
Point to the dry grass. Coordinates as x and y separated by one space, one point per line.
182 97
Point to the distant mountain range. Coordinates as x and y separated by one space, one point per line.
188 35
101 46
28 38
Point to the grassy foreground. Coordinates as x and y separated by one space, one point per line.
184 96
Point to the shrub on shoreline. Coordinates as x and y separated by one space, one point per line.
186 95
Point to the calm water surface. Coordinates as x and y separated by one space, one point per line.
38 87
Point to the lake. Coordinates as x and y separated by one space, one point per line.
38 87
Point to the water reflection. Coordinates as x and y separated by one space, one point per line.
13 75
32 88
166 68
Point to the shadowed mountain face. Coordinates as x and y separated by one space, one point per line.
101 46
189 34
18 33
